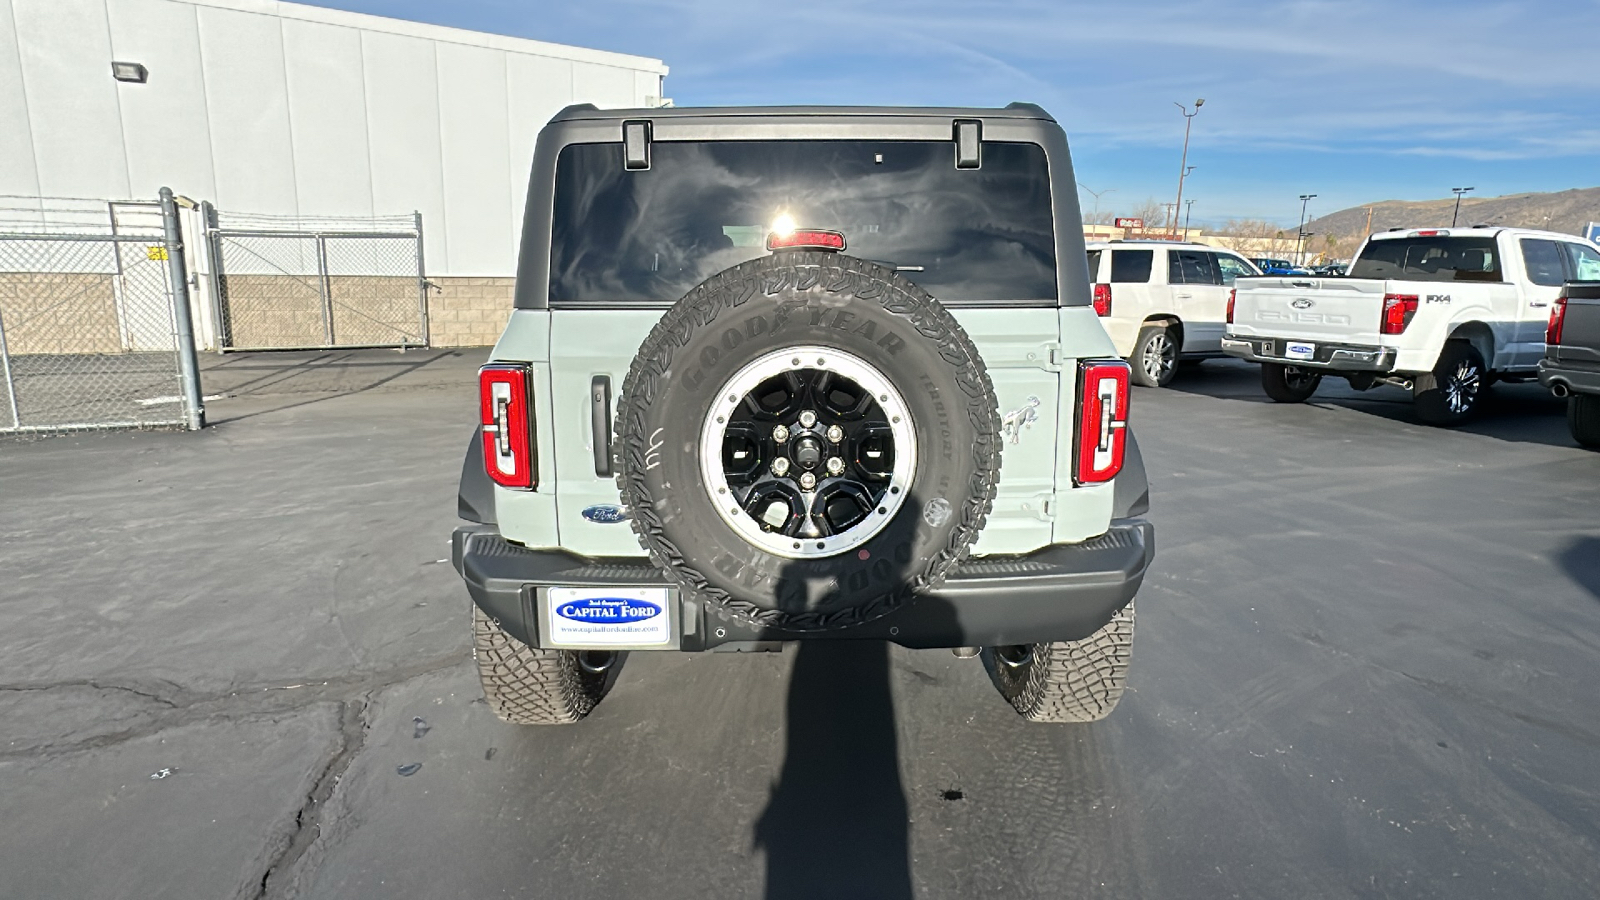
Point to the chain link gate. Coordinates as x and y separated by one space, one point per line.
88 329
311 288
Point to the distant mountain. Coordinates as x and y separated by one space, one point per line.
1565 211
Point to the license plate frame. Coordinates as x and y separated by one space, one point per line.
608 618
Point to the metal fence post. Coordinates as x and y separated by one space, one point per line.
422 281
188 363
5 364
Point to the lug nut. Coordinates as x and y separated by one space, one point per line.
781 433
835 433
780 466
835 465
807 419
808 480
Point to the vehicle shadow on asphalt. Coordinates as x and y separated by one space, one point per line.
313 376
1519 413
1581 562
837 823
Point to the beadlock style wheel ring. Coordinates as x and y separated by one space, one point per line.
808 452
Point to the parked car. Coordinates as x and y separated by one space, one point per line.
1571 364
807 444
1331 270
1163 301
1439 312
1277 266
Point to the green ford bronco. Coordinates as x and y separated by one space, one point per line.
806 373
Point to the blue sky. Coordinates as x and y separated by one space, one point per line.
1355 100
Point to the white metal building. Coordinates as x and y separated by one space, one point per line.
284 109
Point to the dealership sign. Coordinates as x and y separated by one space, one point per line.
1130 223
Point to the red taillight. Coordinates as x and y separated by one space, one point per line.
1102 299
1397 312
1233 294
805 239
1102 420
507 430
1558 319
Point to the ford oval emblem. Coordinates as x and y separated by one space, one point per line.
605 514
1303 303
615 610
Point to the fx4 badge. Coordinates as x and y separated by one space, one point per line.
1022 417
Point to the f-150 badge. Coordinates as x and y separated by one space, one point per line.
1022 417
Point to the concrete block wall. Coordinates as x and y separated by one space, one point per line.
59 313
468 312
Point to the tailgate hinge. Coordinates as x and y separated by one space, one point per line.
1050 357
1043 507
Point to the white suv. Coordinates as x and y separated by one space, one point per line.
1163 300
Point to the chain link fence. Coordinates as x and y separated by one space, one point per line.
88 333
299 284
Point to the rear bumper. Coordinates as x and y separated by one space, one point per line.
1062 592
1576 379
1338 357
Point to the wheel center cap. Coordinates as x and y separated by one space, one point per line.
808 452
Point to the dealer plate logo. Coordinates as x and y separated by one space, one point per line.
609 616
605 514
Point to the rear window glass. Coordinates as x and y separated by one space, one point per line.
1437 258
1191 267
1131 266
651 235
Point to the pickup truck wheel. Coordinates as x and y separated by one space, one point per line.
1155 356
1453 391
1583 417
807 440
528 686
1066 681
1289 384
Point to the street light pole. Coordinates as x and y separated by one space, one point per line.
1096 199
1455 215
1183 165
1300 232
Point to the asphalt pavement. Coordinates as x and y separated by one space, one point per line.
236 664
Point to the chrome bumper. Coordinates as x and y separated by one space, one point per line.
1341 357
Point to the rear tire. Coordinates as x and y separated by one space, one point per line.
1583 417
1155 356
1066 681
1451 394
528 686
1288 384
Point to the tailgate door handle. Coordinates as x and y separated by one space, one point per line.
1303 284
600 423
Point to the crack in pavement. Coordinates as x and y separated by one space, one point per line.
183 707
353 729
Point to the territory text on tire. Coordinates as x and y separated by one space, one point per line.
528 686
805 441
1452 392
1155 356
1583 417
1289 384
1066 681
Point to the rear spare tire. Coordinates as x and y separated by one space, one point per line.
805 440
1289 384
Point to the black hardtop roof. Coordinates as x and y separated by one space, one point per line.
590 112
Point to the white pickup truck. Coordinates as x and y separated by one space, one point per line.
1440 312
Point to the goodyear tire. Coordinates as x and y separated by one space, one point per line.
852 345
1451 394
528 686
1288 384
1583 418
1066 681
